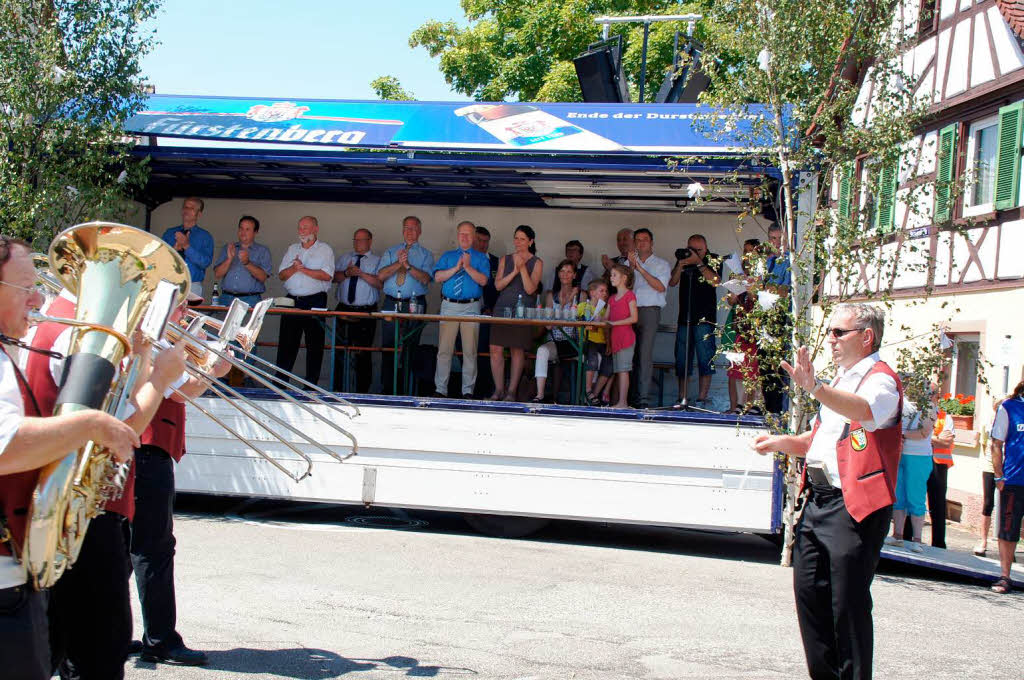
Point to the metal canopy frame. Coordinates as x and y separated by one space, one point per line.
609 181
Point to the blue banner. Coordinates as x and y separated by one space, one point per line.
531 127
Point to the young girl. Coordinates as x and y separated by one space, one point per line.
599 366
622 314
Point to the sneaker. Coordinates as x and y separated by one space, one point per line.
915 547
894 542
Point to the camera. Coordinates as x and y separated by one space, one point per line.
683 253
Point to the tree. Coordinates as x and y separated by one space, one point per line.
69 79
390 89
807 62
524 50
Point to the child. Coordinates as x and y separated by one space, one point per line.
743 375
598 365
622 314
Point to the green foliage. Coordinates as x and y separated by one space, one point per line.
69 78
524 50
389 88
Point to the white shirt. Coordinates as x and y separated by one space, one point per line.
365 293
317 256
883 398
912 418
12 413
645 295
1001 426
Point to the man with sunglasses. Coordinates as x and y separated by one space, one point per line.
28 441
852 454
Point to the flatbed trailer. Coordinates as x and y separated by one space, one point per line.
517 460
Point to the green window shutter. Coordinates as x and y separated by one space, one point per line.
944 174
1008 156
845 191
885 202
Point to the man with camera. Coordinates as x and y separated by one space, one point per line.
696 272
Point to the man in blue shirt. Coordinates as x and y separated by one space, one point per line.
243 265
462 273
1007 446
405 272
192 242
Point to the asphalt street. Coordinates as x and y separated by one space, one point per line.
275 590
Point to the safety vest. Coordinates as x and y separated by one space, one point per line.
869 461
941 456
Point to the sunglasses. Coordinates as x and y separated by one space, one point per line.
840 332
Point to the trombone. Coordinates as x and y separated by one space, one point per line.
204 353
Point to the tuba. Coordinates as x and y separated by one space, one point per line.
114 270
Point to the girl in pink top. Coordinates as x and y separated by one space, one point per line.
622 314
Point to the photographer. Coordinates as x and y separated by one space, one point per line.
696 272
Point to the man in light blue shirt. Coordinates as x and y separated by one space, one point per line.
462 273
778 279
243 265
193 243
405 273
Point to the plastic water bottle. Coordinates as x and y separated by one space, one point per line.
398 302
215 300
520 307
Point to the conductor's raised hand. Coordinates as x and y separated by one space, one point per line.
802 372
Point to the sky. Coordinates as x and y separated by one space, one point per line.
313 49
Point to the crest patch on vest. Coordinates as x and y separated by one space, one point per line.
859 439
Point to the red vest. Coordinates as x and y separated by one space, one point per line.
16 489
37 371
167 429
869 461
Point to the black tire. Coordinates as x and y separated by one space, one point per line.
506 526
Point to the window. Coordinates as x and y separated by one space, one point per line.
982 147
927 18
966 347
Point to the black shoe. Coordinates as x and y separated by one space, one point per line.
180 655
438 395
134 647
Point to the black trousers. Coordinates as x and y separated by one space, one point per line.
834 561
937 485
90 607
293 327
360 333
24 634
152 546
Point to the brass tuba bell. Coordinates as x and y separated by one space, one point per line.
114 270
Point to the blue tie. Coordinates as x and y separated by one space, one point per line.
457 283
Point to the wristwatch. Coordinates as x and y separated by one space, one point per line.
817 386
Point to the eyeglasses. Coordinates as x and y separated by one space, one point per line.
38 288
840 332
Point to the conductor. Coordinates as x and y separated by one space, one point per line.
852 456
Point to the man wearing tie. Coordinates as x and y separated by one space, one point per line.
462 273
405 274
357 291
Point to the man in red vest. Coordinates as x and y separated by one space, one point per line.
152 542
99 581
28 441
852 455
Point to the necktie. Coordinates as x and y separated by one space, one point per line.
353 281
400 277
457 282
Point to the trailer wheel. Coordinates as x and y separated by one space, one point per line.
506 526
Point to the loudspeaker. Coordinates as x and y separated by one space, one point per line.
600 74
683 85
